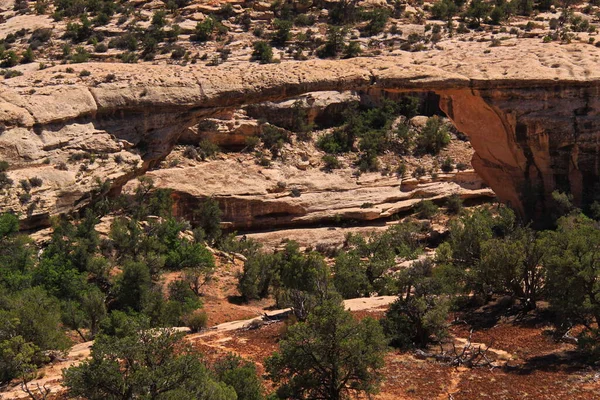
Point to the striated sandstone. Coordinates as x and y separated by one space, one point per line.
262 198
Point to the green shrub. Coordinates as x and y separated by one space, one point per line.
241 375
331 162
35 181
419 171
352 50
159 18
5 181
207 149
28 56
184 254
251 142
433 138
401 170
274 138
25 185
444 10
454 204
129 57
334 45
25 197
190 152
282 32
426 209
378 17
461 166
196 321
339 141
477 12
263 52
178 53
204 30
79 32
304 20
448 164
9 59
245 20
81 55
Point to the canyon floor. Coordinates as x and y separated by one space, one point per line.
525 360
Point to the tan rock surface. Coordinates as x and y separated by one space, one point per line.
530 109
263 198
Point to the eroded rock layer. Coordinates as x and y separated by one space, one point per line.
530 110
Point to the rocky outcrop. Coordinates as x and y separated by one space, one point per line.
530 110
320 108
284 196
228 131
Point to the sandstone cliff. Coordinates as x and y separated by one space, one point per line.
530 110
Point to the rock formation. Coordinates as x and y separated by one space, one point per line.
262 198
321 108
530 110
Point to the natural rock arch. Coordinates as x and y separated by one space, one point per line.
529 133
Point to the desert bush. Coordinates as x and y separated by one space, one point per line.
454 204
448 164
418 316
81 55
207 149
426 209
304 20
274 138
204 30
5 181
419 171
377 18
35 181
27 56
196 321
331 162
444 10
241 375
461 166
282 32
433 138
352 50
263 52
129 57
331 355
190 152
335 42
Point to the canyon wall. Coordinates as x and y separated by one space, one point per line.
533 129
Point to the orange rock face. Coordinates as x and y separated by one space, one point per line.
530 141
